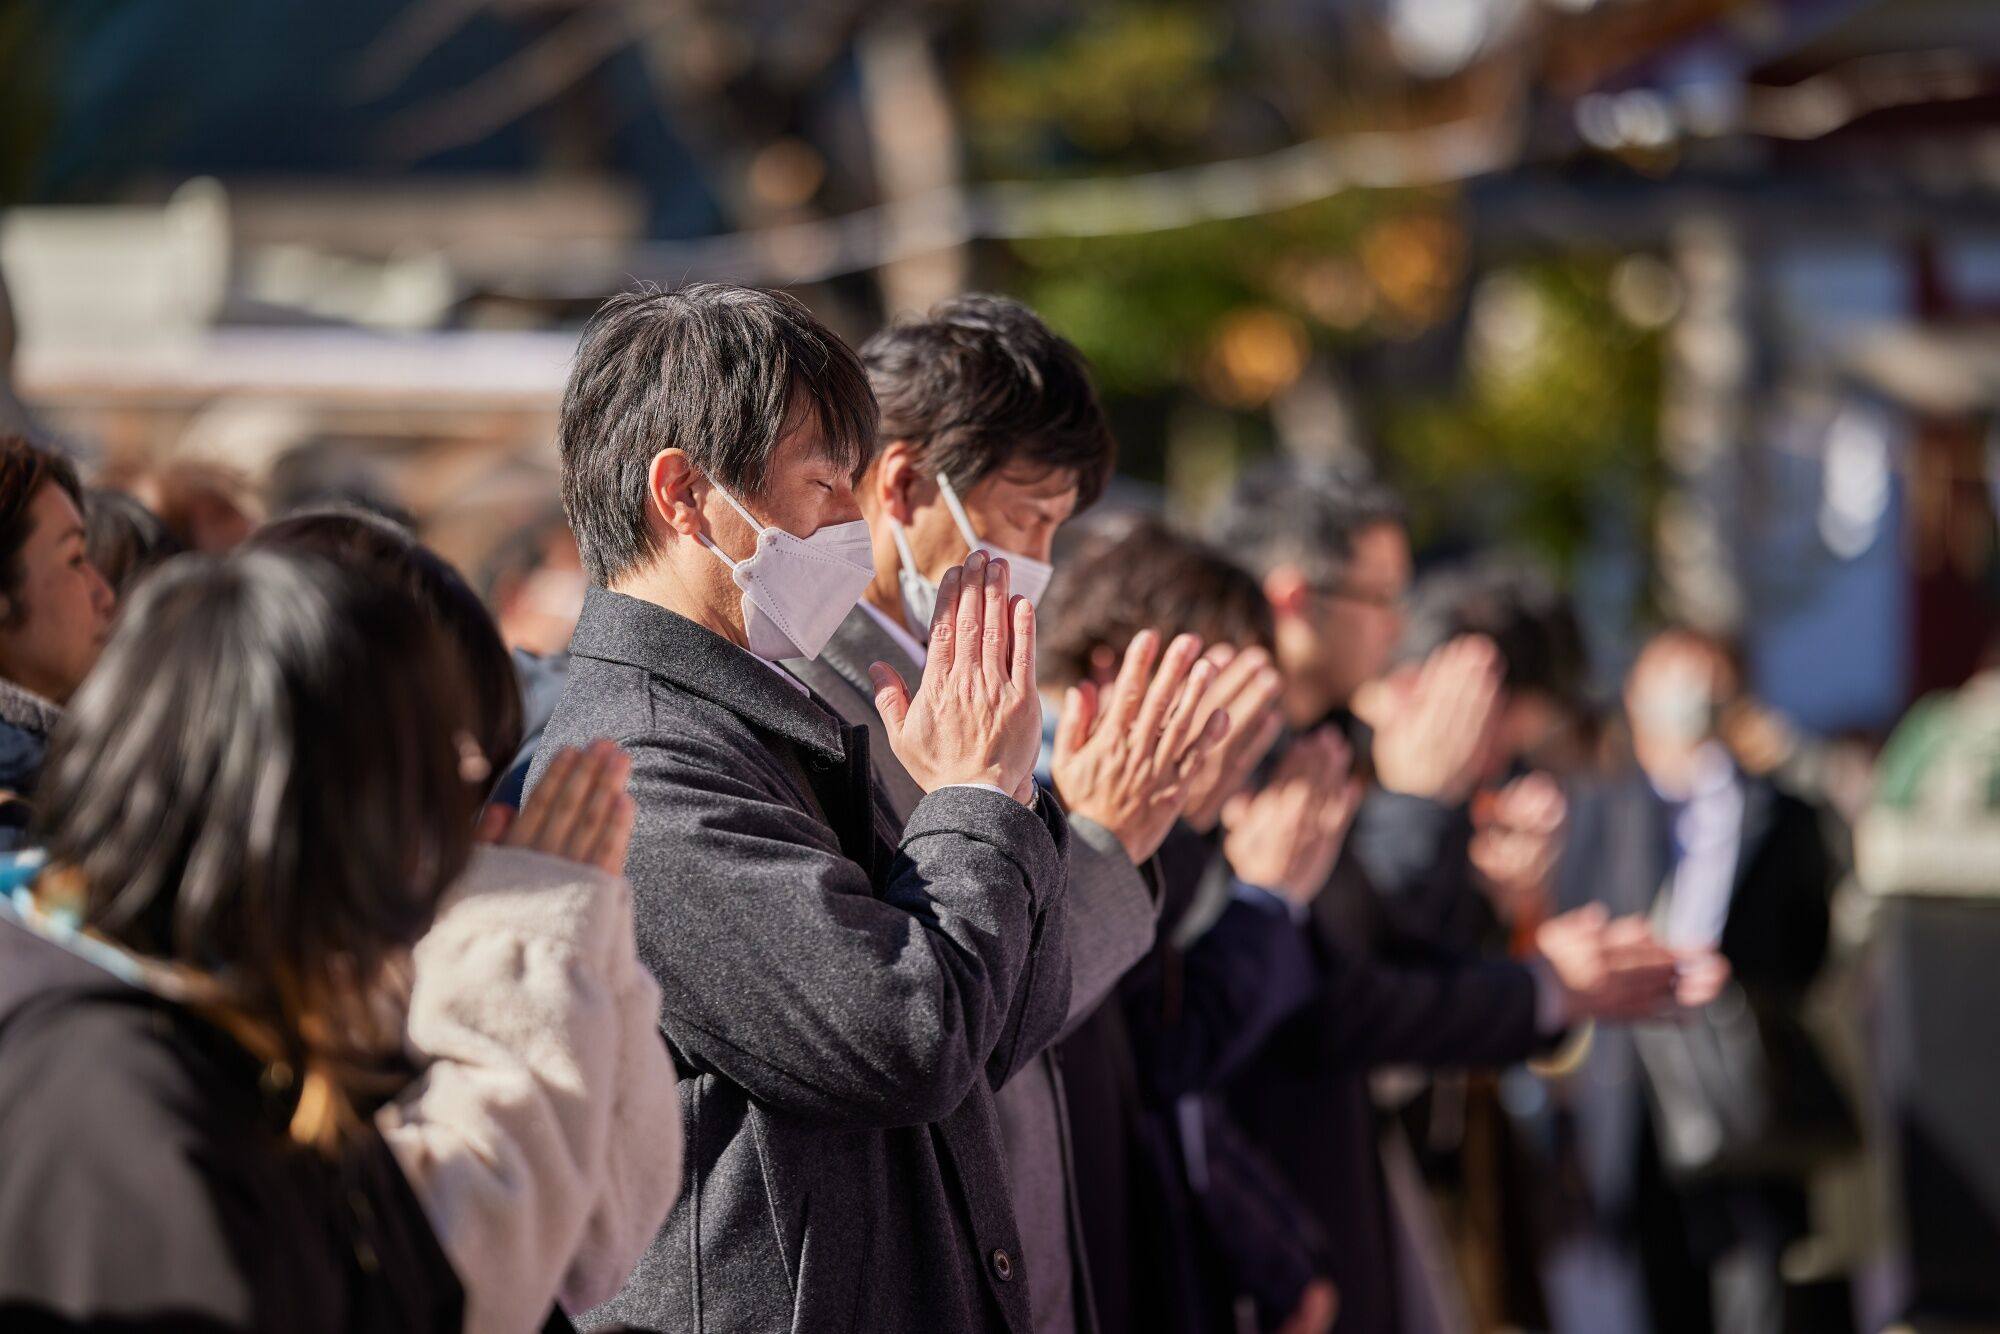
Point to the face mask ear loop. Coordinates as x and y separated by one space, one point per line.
748 518
909 557
958 515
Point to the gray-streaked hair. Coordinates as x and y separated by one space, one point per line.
980 382
717 371
1288 512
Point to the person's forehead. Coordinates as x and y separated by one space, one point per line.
56 515
1382 549
1031 481
803 442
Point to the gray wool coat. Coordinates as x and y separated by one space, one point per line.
841 998
1113 914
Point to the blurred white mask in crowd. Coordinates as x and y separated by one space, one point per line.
1677 703
1025 575
797 590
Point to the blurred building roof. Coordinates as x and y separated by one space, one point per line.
504 369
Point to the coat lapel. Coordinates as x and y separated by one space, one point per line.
618 628
841 674
1759 811
859 642
1639 831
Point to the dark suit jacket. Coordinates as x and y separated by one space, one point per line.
147 1182
1184 1018
1414 855
1774 936
1113 909
841 1003
1304 1099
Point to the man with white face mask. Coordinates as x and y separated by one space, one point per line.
1721 858
992 436
842 993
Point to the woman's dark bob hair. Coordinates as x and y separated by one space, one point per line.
260 781
381 548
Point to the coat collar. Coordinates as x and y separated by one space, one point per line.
23 708
1760 811
618 628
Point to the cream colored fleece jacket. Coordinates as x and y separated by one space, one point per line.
544 1136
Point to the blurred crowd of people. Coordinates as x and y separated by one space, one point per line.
842 881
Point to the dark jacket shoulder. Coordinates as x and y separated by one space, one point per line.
144 1170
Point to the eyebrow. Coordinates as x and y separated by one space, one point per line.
1051 504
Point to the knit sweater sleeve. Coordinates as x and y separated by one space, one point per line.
543 1135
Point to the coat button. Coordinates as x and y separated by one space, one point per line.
1003 1266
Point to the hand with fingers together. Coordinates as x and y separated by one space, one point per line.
975 717
579 811
1615 969
1285 837
1125 756
1431 736
1245 696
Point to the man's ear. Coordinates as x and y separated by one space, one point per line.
1286 589
895 483
671 484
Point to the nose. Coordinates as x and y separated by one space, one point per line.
843 506
103 599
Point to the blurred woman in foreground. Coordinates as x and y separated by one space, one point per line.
544 1139
211 1013
231 864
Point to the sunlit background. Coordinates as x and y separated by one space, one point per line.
1696 303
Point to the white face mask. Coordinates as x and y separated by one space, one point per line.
1677 704
797 590
1025 575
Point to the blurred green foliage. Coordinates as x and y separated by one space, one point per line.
1554 398
1145 308
1557 401
1126 81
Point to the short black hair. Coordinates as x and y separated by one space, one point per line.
1294 512
1142 573
379 547
24 469
1528 618
980 382
260 780
124 539
717 371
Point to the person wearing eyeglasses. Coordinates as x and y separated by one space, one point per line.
1329 547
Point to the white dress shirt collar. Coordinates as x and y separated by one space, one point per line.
903 639
1708 832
